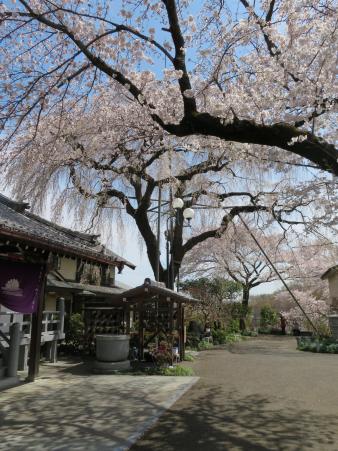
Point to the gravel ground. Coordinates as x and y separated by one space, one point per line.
260 394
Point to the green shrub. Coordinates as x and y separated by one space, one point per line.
193 341
269 316
75 331
250 333
264 330
233 326
188 358
204 345
223 336
323 345
219 336
177 371
332 348
195 328
232 338
313 347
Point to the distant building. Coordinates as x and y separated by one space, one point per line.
332 276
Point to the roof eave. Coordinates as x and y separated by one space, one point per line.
165 292
42 243
329 272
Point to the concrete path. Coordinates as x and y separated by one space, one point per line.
261 395
64 411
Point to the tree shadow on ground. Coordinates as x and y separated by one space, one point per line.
283 346
89 413
245 424
67 366
263 350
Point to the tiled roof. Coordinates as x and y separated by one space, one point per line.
151 288
329 272
16 221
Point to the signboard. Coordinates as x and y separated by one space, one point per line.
20 285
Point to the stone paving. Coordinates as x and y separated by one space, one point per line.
65 411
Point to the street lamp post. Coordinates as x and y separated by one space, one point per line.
177 205
158 250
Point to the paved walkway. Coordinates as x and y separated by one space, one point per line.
261 395
66 410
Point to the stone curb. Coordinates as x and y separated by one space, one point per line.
131 440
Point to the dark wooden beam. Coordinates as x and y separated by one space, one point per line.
127 315
181 331
140 332
171 326
35 343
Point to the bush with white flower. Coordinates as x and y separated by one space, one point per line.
317 311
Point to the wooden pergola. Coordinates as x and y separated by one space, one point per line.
156 309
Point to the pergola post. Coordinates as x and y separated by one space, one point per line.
127 319
171 323
181 330
141 332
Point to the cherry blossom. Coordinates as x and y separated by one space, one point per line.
261 73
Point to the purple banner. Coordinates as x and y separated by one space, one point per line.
20 285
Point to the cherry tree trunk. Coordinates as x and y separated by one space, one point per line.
245 307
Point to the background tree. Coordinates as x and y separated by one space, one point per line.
215 295
237 256
316 309
306 262
269 317
217 311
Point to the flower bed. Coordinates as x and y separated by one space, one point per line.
323 345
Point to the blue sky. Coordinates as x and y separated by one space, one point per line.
130 249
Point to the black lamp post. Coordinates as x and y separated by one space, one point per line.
177 205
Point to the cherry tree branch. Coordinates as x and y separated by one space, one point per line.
281 135
190 106
226 220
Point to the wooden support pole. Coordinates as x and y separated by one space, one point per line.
140 332
61 308
178 327
35 344
171 325
181 331
128 320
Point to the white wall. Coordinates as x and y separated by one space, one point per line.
333 288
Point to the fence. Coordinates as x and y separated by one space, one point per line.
15 336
